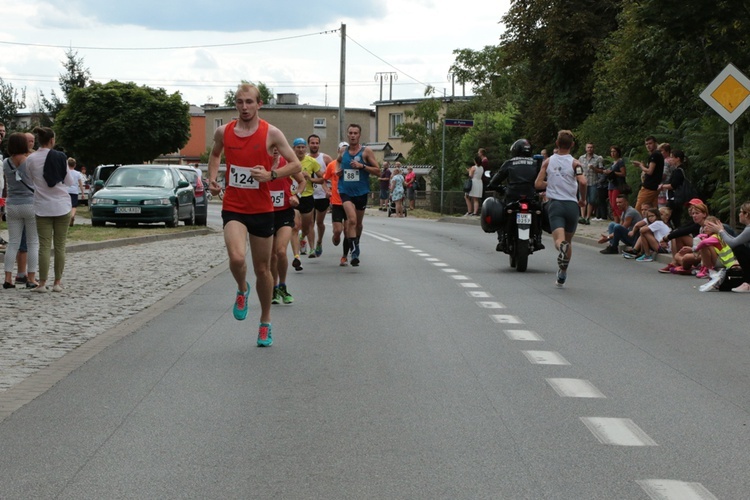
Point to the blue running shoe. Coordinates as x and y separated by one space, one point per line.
264 335
561 277
240 304
355 255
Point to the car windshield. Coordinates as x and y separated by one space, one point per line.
140 177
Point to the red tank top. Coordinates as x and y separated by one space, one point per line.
243 194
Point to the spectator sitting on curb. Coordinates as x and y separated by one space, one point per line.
739 244
716 256
617 233
683 258
651 231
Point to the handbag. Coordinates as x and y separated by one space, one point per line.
467 185
684 193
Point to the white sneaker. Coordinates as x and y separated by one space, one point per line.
717 278
743 288
41 289
57 288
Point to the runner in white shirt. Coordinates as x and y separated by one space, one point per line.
562 177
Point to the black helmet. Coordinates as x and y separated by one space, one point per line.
521 147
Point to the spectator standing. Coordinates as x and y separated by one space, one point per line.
474 196
20 211
397 191
652 174
384 181
666 151
411 186
74 190
593 167
676 179
616 178
49 171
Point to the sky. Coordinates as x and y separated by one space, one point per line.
202 48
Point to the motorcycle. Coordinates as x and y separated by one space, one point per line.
518 227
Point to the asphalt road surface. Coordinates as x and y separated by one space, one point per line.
433 370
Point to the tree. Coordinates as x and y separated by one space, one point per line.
550 50
10 102
266 94
119 122
76 76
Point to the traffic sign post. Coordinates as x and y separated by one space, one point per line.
449 122
729 95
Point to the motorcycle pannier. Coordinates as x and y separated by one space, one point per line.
492 215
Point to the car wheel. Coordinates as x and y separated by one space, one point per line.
190 221
175 218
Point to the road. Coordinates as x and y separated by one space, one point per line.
431 371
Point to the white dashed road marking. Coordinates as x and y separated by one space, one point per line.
574 388
459 277
469 285
617 431
545 358
668 489
490 305
527 335
477 294
506 319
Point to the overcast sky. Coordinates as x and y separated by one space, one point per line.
201 48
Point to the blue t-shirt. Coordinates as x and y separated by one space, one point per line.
354 181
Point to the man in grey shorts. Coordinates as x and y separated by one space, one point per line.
563 178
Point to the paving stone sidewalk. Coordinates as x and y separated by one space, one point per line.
102 288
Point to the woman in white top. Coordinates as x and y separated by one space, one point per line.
49 170
75 190
474 196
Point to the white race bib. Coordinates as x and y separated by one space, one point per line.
295 186
277 197
351 175
241 177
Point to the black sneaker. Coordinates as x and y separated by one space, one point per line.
7 285
296 264
21 280
609 250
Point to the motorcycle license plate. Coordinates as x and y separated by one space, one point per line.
523 218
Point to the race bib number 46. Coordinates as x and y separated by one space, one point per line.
241 177
351 175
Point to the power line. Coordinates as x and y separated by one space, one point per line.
384 61
169 48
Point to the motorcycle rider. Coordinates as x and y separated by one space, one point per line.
521 172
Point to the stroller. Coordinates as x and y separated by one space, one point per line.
391 207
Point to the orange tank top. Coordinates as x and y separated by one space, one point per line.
243 194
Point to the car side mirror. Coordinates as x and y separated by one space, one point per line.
183 184
99 184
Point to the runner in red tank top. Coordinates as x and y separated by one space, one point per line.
247 208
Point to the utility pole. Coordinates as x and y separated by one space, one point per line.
342 84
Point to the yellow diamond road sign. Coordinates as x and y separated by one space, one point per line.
728 94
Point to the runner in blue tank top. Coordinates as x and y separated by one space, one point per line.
356 164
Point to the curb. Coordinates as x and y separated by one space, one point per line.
120 242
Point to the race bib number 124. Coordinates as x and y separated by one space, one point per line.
241 177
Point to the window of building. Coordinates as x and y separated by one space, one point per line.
394 120
319 123
218 122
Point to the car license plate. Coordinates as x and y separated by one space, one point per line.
127 210
523 218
